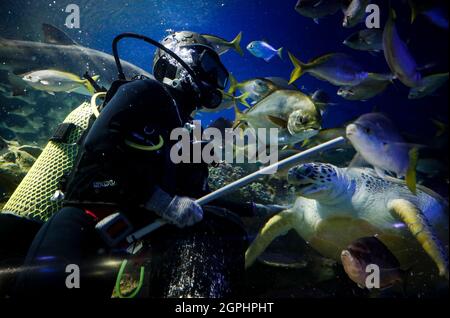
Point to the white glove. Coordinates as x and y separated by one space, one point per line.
180 211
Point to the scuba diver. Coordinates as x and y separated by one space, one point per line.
124 166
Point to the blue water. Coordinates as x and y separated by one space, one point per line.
273 20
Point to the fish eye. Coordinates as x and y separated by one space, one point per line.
301 120
367 130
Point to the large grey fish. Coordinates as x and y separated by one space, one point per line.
292 112
398 57
316 9
337 68
378 142
370 40
428 86
59 52
372 86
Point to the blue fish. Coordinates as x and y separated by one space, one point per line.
264 50
438 17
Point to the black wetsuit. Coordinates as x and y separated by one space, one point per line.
110 176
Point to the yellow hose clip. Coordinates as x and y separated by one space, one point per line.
146 148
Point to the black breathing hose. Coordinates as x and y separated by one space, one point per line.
144 38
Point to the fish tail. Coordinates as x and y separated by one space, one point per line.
233 84
240 117
411 173
414 12
280 52
236 43
392 14
440 127
298 68
243 99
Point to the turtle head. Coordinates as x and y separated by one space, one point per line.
318 181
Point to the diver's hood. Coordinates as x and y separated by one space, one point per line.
201 57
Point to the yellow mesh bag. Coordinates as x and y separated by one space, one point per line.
32 198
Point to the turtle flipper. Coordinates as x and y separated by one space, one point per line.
277 225
422 231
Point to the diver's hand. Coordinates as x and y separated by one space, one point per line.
180 211
263 211
183 212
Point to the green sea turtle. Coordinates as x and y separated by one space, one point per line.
337 206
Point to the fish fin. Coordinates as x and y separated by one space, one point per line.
358 161
243 99
392 14
380 172
96 78
316 21
298 68
305 143
89 86
426 67
233 84
53 35
278 121
414 12
411 177
276 226
322 107
240 117
441 128
268 59
44 82
51 93
280 52
236 43
419 227
18 91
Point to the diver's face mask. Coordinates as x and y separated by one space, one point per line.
211 72
207 72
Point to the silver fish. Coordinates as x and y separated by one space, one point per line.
378 142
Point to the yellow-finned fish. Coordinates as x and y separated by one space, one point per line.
292 112
398 56
337 68
372 86
259 88
53 81
222 46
